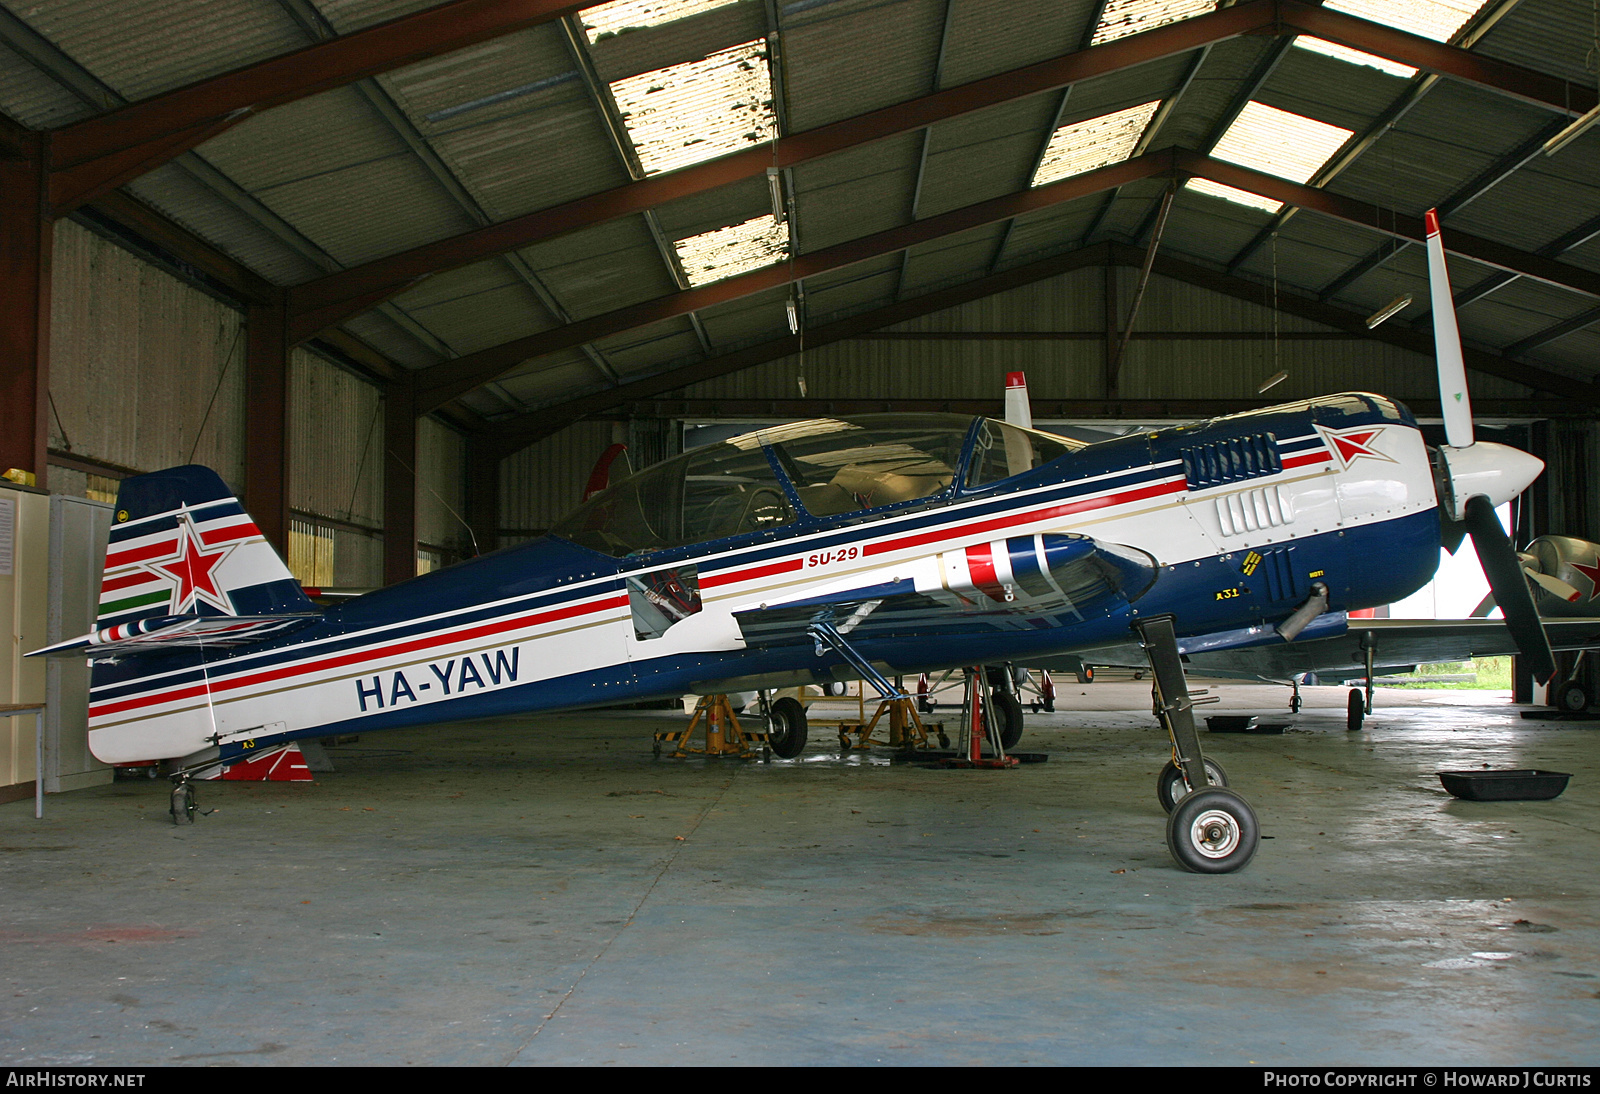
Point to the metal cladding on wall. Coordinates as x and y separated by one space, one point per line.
441 486
542 482
145 371
335 442
1152 368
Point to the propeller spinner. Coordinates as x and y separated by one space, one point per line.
1476 476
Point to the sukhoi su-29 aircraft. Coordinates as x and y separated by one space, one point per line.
842 547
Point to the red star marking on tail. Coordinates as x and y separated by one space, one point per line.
1351 444
1592 573
194 570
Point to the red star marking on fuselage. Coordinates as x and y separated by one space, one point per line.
1592 573
194 570
1352 444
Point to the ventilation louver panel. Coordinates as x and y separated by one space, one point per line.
1231 460
1253 510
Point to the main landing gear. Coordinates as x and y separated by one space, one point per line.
1210 829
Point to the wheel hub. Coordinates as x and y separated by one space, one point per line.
1214 834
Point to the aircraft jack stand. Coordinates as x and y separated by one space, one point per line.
724 736
905 727
979 728
1210 829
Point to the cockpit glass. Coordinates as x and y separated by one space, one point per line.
863 463
1002 450
711 493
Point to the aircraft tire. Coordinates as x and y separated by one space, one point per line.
1010 711
1171 789
1572 696
1355 710
1086 674
1213 831
833 688
787 737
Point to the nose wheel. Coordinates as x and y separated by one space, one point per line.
1212 831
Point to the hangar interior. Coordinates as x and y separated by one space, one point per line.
400 270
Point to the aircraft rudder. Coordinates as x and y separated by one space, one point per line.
180 544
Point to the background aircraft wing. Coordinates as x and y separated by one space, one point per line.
1399 645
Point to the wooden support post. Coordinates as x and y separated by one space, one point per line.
399 481
266 454
25 250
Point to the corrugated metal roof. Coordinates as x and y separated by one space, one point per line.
516 124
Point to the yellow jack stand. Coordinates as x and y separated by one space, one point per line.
905 728
724 737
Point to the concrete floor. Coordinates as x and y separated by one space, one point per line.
548 893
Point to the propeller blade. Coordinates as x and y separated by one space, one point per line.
1555 585
1447 343
1504 571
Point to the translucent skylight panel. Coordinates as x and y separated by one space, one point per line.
619 15
1439 20
1094 142
699 110
1276 142
1124 17
739 248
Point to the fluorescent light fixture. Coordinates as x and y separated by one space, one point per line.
775 191
1393 307
1271 382
1093 142
1571 132
794 315
605 20
1275 142
1439 20
1121 18
727 252
699 110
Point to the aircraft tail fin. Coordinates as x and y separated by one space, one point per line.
186 566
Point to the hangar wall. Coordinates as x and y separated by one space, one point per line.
1074 367
335 474
542 481
145 371
442 535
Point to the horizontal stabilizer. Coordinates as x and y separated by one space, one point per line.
175 632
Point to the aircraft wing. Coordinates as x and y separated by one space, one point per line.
1022 583
1399 645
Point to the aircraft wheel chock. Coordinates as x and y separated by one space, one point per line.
1171 789
1354 710
787 738
1009 710
1212 831
1572 696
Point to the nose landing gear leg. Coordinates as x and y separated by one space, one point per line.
1211 830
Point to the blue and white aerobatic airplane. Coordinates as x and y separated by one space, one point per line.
809 551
